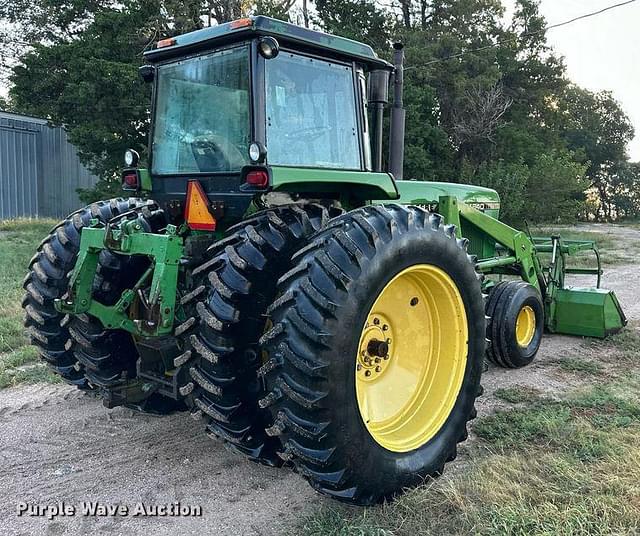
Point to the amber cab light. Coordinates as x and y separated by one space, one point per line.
196 213
240 23
169 42
257 178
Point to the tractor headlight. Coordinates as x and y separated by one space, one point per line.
131 158
257 152
268 47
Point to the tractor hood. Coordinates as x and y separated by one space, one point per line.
426 195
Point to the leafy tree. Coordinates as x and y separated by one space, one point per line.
67 84
360 20
510 180
624 191
595 126
487 102
555 191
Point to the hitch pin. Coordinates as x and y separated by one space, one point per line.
143 299
138 286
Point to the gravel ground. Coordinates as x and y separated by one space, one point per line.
59 445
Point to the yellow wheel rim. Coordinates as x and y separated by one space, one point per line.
411 358
525 326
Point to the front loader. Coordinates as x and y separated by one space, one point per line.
272 277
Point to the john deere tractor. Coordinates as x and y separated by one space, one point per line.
271 276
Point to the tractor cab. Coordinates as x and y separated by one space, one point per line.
238 106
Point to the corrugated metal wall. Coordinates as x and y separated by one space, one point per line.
39 169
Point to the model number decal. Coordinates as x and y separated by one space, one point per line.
481 206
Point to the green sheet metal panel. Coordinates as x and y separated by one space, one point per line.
426 194
589 312
357 184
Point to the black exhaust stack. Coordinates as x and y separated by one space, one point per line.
378 97
396 135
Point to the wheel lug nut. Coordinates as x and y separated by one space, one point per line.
385 327
377 360
367 373
388 341
376 321
358 366
378 369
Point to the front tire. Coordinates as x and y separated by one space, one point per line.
516 324
360 419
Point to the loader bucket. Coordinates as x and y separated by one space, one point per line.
589 312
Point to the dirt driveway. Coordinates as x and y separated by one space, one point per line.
59 445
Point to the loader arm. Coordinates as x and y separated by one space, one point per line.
584 311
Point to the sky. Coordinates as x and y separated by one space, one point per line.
602 52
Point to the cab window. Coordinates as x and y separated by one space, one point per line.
311 113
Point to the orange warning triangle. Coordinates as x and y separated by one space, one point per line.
197 213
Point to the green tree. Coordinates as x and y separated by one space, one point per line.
360 20
487 102
91 86
510 180
555 191
595 126
81 70
625 191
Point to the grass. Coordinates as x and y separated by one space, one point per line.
580 366
579 426
612 252
568 466
519 493
18 361
623 347
604 240
517 394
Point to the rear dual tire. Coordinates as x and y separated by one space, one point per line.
48 279
78 348
226 315
320 323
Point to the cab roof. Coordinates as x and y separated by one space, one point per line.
242 29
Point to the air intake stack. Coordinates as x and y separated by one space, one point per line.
396 135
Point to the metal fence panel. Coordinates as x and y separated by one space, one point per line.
39 169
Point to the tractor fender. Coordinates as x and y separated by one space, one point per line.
358 185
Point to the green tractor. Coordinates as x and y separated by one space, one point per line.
269 276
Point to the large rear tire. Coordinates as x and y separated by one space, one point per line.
79 348
376 353
231 292
109 356
48 279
